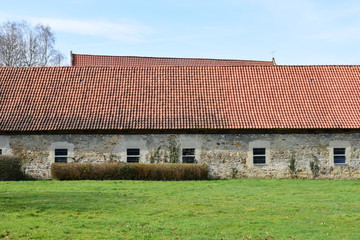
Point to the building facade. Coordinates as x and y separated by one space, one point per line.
242 121
244 155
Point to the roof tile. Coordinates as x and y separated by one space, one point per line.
133 61
179 97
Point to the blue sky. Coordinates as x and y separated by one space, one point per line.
293 31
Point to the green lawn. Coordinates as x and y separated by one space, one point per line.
221 209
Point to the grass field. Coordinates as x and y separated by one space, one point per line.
219 209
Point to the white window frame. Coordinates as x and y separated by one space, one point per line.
130 141
339 144
259 155
339 155
61 145
61 155
138 156
190 141
258 144
189 155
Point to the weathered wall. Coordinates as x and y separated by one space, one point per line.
227 155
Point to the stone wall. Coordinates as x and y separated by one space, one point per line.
227 155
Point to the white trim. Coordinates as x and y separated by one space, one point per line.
339 144
190 141
138 156
131 141
258 144
5 145
181 154
56 145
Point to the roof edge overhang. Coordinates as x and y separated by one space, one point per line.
186 131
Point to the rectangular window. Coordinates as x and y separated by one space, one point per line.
61 155
259 155
133 155
188 155
0 151
339 155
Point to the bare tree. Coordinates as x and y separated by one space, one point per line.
22 45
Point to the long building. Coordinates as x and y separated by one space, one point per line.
242 121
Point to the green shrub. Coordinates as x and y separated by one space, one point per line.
10 168
128 171
292 166
314 166
174 150
84 171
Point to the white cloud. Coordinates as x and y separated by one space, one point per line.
125 30
111 30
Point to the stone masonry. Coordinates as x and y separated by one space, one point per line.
227 155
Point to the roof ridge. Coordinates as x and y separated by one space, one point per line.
195 58
182 66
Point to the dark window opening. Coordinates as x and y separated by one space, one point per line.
0 151
339 155
133 155
188 155
259 155
61 155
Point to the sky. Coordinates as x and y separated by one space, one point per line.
295 32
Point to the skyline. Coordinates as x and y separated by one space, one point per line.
295 33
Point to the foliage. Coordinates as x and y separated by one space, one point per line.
292 166
314 166
10 168
22 45
82 171
154 156
128 171
166 153
217 209
234 172
174 150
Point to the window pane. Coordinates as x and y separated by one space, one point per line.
258 151
188 151
133 151
60 159
259 159
188 159
61 152
340 151
339 159
132 159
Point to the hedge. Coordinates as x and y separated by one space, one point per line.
128 171
10 168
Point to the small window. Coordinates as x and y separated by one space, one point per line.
61 155
133 155
0 151
339 155
259 155
188 155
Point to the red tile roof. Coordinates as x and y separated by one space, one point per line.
242 97
127 61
